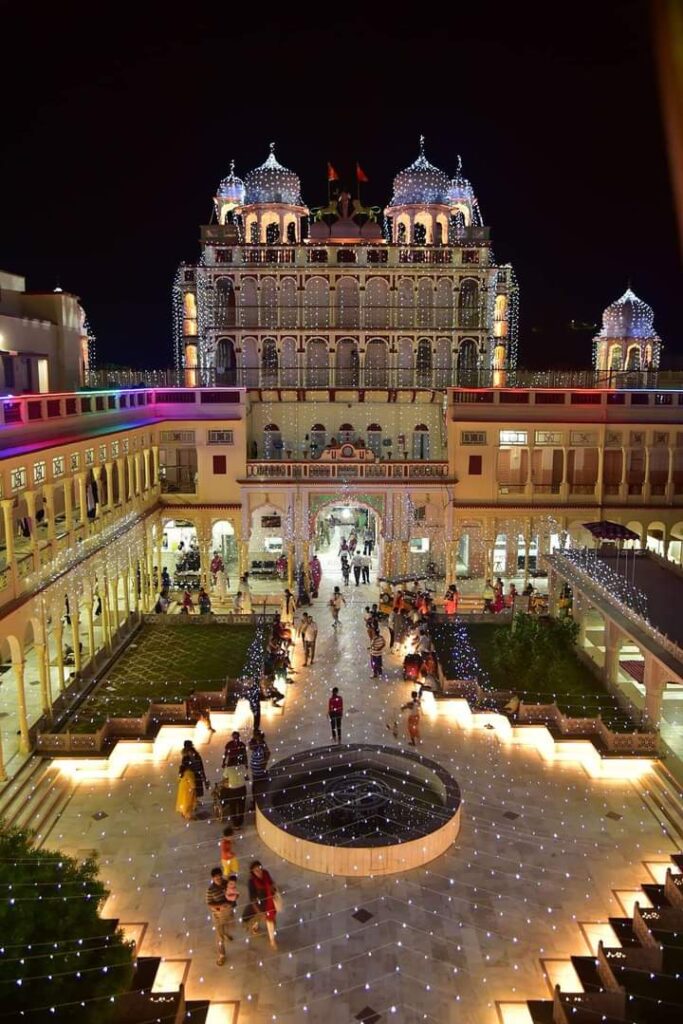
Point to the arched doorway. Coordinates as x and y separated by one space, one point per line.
226 362
352 522
348 364
223 543
180 553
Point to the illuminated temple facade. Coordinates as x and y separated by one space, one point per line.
348 357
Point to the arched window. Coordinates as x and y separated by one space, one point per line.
288 302
348 363
469 303
272 234
288 364
346 434
250 363
421 441
291 233
406 368
317 364
269 362
467 361
442 363
317 439
615 359
225 303
317 303
249 302
458 224
401 234
348 303
253 233
376 364
425 303
419 234
268 302
376 302
443 313
406 302
374 439
226 362
633 359
424 363
272 442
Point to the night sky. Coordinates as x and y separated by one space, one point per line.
118 123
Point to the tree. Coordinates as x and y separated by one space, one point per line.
533 654
56 949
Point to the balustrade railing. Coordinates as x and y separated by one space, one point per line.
313 470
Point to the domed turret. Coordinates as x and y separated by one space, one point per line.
229 195
628 317
462 202
231 189
420 184
418 207
273 183
627 340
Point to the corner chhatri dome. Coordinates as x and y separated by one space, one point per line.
421 183
231 188
628 317
273 183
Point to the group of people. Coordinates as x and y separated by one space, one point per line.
495 598
351 559
230 797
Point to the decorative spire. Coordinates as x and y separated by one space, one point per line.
232 168
272 148
422 145
458 171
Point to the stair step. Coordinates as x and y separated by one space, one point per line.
29 814
52 813
655 894
146 968
587 972
663 795
645 1011
196 1011
677 858
623 929
541 1011
14 792
651 986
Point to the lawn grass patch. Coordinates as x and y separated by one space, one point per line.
166 664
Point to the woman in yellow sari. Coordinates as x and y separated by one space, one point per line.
186 800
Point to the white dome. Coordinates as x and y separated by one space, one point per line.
231 189
273 183
420 184
628 317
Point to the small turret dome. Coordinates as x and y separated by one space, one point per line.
231 189
628 317
420 184
273 183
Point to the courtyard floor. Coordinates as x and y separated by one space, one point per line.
541 851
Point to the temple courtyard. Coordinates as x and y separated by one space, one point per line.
544 856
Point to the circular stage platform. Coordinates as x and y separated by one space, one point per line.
358 809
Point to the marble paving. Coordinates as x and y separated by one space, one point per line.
541 849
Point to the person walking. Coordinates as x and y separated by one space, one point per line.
335 711
368 541
310 637
254 699
366 565
235 751
316 575
262 894
222 913
345 569
357 566
232 793
287 607
229 862
186 797
192 759
377 646
336 604
413 720
259 755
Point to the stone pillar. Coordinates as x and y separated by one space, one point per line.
137 469
552 592
623 485
8 518
109 473
612 647
74 615
146 482
306 559
24 743
528 537
3 773
155 464
45 701
564 483
106 616
121 471
114 619
91 629
68 504
49 499
80 481
655 683
601 472
30 497
242 557
59 638
290 565
647 487
669 489
126 592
